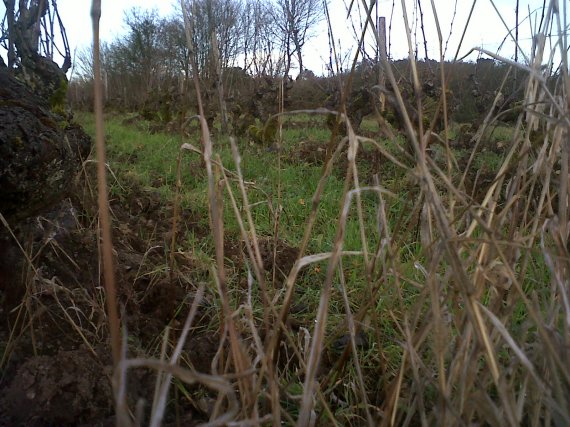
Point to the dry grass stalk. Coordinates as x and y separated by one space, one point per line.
103 202
240 358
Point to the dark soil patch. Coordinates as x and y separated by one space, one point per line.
56 372
310 152
278 256
67 389
275 255
56 368
313 153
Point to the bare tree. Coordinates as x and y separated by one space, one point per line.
151 56
294 22
258 38
176 55
140 51
30 30
219 19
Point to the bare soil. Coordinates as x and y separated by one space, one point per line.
56 364
313 153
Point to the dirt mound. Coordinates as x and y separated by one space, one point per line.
67 389
313 153
278 255
55 366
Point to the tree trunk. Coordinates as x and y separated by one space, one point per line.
40 151
10 4
220 85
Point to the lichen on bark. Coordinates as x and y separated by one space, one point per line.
41 151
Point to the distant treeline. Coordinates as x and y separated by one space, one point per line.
149 71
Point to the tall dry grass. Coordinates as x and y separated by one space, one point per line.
485 338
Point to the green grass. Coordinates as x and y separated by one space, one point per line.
285 182
141 160
138 156
148 161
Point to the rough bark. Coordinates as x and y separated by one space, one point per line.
40 150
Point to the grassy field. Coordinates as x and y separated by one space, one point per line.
280 187
412 272
435 310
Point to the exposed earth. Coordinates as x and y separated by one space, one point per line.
56 363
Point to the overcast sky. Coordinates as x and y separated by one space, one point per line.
484 30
